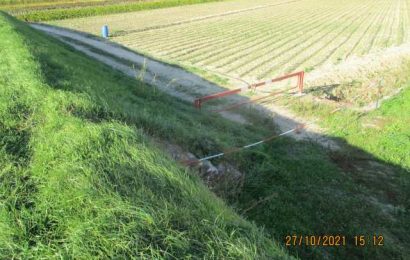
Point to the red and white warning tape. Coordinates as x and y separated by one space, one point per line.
199 101
236 149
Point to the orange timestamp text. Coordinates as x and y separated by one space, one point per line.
334 240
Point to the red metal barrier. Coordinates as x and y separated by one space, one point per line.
198 102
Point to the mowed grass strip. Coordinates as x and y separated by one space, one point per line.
37 15
31 7
19 2
43 2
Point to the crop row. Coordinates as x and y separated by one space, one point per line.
324 50
197 32
237 54
268 41
360 38
293 45
319 52
329 34
324 47
340 50
264 32
224 44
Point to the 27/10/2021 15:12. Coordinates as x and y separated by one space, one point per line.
334 240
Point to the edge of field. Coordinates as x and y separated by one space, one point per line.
34 15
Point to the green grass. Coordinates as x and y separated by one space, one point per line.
35 15
21 7
82 178
383 132
79 181
12 2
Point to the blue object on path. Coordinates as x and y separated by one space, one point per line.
104 31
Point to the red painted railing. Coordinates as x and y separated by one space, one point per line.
300 75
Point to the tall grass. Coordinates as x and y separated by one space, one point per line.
78 181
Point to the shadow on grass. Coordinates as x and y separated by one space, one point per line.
291 187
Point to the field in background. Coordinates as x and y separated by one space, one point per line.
258 39
35 11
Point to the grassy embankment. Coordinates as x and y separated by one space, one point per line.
382 132
33 14
82 129
79 178
377 161
377 158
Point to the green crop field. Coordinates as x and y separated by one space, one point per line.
259 39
